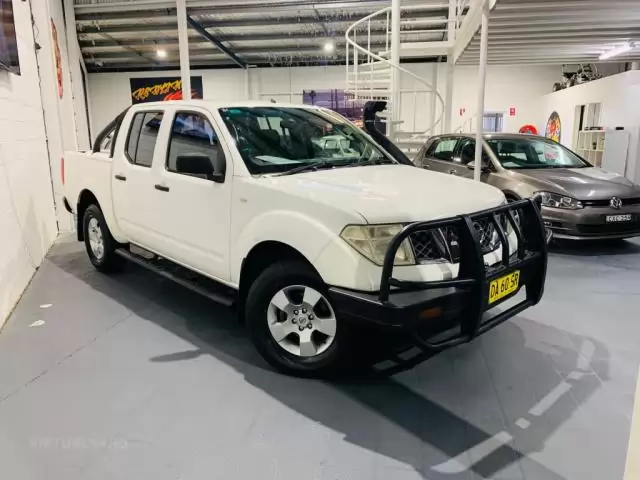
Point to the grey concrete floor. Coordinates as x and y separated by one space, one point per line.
133 377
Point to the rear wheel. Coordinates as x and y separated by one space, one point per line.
292 323
98 241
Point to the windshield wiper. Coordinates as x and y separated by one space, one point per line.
306 168
372 161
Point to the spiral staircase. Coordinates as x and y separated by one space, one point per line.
378 75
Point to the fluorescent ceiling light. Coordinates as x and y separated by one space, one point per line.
328 47
617 50
161 53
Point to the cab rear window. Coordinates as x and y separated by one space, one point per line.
143 134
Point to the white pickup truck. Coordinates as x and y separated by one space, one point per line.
245 203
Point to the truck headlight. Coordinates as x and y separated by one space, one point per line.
555 200
372 241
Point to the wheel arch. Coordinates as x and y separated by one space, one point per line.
511 195
261 256
85 199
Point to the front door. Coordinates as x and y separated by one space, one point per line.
465 154
193 212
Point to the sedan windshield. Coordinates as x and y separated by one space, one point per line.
281 139
533 152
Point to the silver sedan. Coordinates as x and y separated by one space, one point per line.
579 201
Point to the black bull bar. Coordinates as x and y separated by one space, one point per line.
401 303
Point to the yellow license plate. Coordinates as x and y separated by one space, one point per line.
503 286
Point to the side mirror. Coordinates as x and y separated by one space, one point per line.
485 166
213 168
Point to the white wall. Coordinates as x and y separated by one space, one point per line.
519 87
619 96
27 219
65 118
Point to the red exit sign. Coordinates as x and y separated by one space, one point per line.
512 111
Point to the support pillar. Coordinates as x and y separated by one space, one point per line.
395 59
434 85
448 99
482 77
183 45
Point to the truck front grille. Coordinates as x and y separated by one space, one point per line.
441 244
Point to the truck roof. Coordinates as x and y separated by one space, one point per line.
219 104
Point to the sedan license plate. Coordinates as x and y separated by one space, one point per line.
503 286
618 218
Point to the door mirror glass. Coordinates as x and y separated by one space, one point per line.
485 165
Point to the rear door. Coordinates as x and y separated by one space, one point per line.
132 182
439 155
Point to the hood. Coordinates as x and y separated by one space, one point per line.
392 193
589 183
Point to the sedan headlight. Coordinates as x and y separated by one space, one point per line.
554 200
372 241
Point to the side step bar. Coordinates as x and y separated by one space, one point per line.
180 275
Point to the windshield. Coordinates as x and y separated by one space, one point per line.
533 152
278 139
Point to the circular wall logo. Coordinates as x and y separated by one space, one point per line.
553 129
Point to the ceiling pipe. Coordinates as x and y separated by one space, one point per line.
243 7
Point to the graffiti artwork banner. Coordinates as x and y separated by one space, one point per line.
157 89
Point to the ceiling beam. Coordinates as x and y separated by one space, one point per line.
599 27
548 41
221 46
564 5
534 37
554 57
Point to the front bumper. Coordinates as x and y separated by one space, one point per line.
457 307
589 223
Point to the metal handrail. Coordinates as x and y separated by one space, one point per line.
460 128
370 54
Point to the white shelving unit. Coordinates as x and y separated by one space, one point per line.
590 145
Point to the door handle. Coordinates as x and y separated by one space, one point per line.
162 188
453 171
122 178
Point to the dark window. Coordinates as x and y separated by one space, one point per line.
467 152
107 140
442 149
142 137
533 152
192 133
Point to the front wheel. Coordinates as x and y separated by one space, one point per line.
292 323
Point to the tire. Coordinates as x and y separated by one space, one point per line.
293 279
103 259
